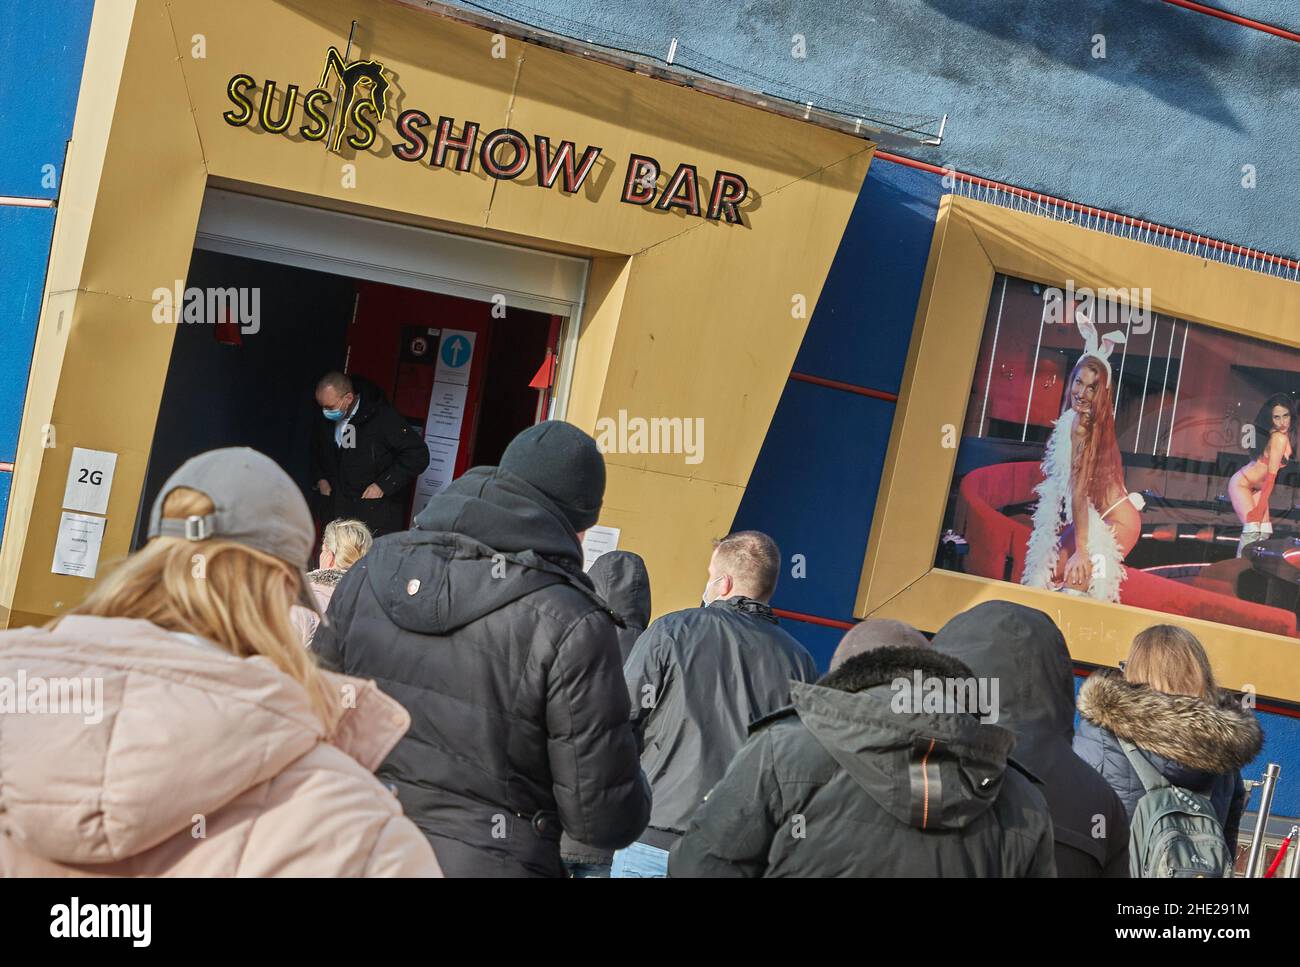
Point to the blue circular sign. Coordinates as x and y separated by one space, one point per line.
455 352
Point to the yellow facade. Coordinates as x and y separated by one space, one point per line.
685 316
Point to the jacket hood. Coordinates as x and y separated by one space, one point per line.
488 540
1188 731
930 770
166 730
622 580
1024 650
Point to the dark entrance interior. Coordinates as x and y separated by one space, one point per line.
253 385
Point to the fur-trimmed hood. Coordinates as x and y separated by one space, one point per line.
928 769
1191 732
326 577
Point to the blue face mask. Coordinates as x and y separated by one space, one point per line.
334 415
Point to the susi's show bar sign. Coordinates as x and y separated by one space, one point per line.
503 153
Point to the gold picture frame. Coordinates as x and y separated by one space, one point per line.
973 242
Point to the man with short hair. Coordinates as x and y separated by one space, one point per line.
365 456
697 679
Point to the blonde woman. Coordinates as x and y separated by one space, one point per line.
201 740
1167 703
343 544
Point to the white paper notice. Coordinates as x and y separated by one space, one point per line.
454 354
76 551
90 479
446 410
442 464
596 542
446 414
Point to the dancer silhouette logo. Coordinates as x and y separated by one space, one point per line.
354 78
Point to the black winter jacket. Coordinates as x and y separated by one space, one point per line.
385 451
842 784
621 579
1192 743
697 680
1024 652
481 623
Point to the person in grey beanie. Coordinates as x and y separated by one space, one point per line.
876 633
481 622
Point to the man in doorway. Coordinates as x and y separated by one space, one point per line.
365 455
697 680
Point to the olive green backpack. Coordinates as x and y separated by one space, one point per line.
1174 832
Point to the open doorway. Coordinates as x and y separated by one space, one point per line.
466 373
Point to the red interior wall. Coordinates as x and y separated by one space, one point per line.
375 334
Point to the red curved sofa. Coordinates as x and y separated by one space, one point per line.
994 538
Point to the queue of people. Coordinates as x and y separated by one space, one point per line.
462 698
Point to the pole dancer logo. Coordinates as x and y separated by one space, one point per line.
351 77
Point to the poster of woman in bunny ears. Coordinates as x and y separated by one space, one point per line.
1085 521
1121 454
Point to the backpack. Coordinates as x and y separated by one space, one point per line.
1174 832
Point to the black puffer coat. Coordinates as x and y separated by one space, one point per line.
621 579
697 680
1024 652
482 624
1192 743
385 451
842 784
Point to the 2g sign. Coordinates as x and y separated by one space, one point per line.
90 480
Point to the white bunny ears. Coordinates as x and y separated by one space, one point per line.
1100 351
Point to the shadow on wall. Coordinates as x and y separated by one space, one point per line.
1170 53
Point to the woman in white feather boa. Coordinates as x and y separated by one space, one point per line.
1086 521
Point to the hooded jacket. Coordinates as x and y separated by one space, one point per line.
482 624
385 451
849 782
620 577
1193 743
697 679
184 760
1023 651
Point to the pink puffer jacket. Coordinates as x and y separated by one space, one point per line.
178 759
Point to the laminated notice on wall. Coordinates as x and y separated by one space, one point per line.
76 550
597 541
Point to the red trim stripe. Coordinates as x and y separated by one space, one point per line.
1235 19
879 394
6 468
1092 212
812 619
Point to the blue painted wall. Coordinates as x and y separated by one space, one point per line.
49 42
